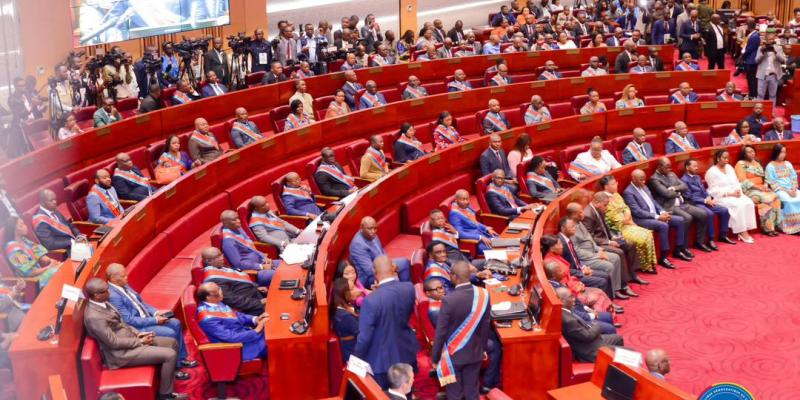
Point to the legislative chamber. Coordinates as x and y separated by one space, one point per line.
258 199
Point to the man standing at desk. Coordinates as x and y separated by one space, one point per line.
462 330
385 337
366 247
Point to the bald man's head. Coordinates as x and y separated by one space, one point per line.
48 200
657 361
96 289
460 272
383 268
212 256
230 220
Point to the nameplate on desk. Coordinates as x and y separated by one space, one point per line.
623 77
748 104
375 70
342 120
577 81
374 192
542 127
507 135
456 60
117 240
614 49
337 76
586 118
234 158
498 89
682 157
765 146
143 119
494 57
170 192
532 54
643 166
358 366
71 293
625 112
627 357
434 158
663 75
379 110
417 102
706 106
200 174
573 51
65 144
467 147
415 65
708 73
537 84
455 95
403 173
102 131
660 109
268 143
303 131
140 216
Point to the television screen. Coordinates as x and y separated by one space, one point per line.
103 21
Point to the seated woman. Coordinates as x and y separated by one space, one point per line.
407 147
70 128
338 106
782 178
751 176
724 186
629 99
619 220
740 134
350 273
345 317
173 157
597 299
445 133
521 152
297 118
598 40
541 184
28 259
594 105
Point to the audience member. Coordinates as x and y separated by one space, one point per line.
152 101
729 93
584 339
782 178
275 74
740 134
465 222
595 161
366 247
690 34
371 97
605 319
203 145
407 147
222 324
107 114
70 128
684 95
769 73
213 86
430 54
28 258
751 175
238 289
521 152
537 112
594 105
716 43
345 316
331 177
54 231
268 227
216 61
778 131
414 90
102 202
123 346
641 66
305 98
348 272
351 87
240 251
401 380
726 190
637 149
625 57
618 217
541 184
445 133
756 119
654 60
697 195
244 131
681 140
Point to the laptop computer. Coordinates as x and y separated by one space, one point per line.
618 385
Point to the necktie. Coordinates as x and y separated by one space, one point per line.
573 254
288 51
602 223
139 305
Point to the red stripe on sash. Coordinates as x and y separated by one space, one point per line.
241 239
244 128
207 140
462 335
372 99
378 158
448 133
167 160
415 92
441 235
411 143
132 177
182 97
635 152
465 212
203 315
270 223
502 192
538 116
541 180
115 208
211 273
496 121
682 143
336 174
55 224
581 169
435 270
297 192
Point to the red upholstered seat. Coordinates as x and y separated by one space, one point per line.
167 93
85 116
86 172
161 291
497 222
76 199
182 234
720 131
497 394
622 141
560 110
128 107
703 138
354 152
357 97
418 258
428 330
416 209
131 383
277 191
321 106
392 95
277 116
335 363
656 99
37 132
254 78
572 372
569 154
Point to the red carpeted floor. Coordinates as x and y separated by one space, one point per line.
729 316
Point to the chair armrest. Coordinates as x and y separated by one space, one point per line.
566 183
324 201
60 254
222 360
300 221
527 198
127 203
497 222
360 182
469 246
219 346
85 227
395 165
266 248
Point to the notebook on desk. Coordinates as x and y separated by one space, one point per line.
508 311
505 242
520 226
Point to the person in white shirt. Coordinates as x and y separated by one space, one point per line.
726 190
564 42
594 68
595 161
70 128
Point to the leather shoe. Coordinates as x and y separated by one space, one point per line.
485 389
617 325
617 309
621 296
175 396
189 363
182 376
725 239
628 291
712 245
679 255
703 248
640 281
687 252
664 262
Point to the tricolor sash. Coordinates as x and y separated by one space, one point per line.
590 71
132 177
298 192
218 311
292 122
443 236
24 256
448 133
340 110
590 108
107 201
464 212
378 158
336 174
227 274
635 152
206 140
496 121
238 237
680 98
541 181
181 97
628 103
502 192
301 75
681 142
437 271
462 335
167 160
735 137
371 99
411 143
726 97
434 306
267 221
246 129
683 66
378 60
549 75
580 169
458 86
415 93
538 116
499 80
53 223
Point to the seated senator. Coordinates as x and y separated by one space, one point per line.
584 339
240 251
594 105
407 147
297 198
244 131
595 161
173 157
238 290
541 185
366 247
222 324
681 140
684 95
338 106
268 227
297 117
53 229
129 181
637 149
501 200
203 145
445 133
629 99
331 178
374 164
102 201
345 316
29 259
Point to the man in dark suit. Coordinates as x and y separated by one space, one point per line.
152 101
655 61
459 371
217 60
715 43
495 120
239 291
128 180
54 231
584 339
669 191
752 44
123 346
274 75
213 86
690 35
351 87
696 194
457 33
626 57
494 158
648 214
595 279
502 200
331 178
756 119
581 27
384 335
778 132
401 380
638 149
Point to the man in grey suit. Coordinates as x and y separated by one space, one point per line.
596 257
447 50
584 339
123 346
668 190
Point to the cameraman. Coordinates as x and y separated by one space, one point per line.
147 71
118 77
62 92
260 51
170 66
770 59
310 45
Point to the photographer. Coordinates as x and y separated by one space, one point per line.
190 53
310 46
62 92
770 59
170 66
118 77
148 71
260 51
216 60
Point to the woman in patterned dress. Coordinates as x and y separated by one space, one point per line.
619 220
751 175
782 178
28 258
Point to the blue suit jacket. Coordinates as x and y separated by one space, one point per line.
755 124
127 310
696 192
384 335
628 158
241 257
404 153
658 32
685 32
98 212
209 92
362 253
466 228
362 102
499 206
692 97
639 208
672 148
297 206
771 135
750 50
489 162
239 330
350 93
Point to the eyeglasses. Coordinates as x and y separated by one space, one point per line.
435 289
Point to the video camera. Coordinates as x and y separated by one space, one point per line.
186 48
239 43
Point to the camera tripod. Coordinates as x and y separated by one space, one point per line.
239 70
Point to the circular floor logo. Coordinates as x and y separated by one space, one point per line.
726 391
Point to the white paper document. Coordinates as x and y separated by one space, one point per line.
500 255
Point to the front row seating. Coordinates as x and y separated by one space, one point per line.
131 383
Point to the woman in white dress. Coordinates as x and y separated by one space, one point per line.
724 186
